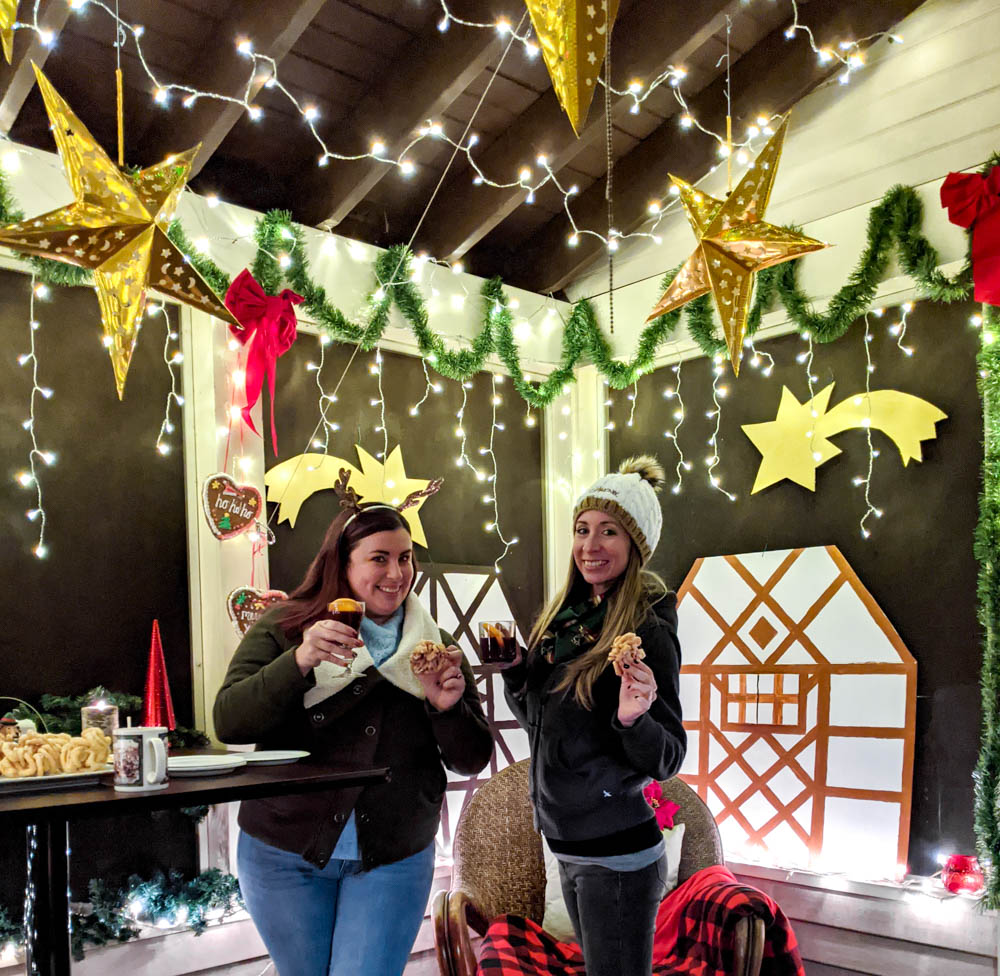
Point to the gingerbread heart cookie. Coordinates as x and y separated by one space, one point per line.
230 508
247 603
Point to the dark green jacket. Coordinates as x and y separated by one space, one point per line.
369 723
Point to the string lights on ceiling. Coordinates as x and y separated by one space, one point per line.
849 53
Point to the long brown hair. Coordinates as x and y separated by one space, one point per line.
629 601
326 577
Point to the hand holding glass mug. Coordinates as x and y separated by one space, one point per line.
498 643
333 638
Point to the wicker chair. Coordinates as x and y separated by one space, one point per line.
499 869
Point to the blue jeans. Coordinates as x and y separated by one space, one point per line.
338 921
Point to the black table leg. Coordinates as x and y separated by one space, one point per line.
46 908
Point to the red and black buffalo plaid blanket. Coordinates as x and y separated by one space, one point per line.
694 935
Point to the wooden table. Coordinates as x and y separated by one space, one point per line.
50 813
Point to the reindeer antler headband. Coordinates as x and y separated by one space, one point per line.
350 500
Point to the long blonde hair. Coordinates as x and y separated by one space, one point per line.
629 601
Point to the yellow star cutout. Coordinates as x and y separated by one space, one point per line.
796 442
8 14
734 242
291 482
117 227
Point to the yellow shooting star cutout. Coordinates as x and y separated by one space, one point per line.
734 243
796 442
117 227
290 483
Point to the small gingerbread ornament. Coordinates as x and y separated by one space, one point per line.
626 649
428 657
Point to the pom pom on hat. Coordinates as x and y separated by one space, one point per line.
646 467
630 496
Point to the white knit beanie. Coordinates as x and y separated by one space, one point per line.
630 496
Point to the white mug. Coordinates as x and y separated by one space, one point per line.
140 759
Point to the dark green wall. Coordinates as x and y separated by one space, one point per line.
118 550
918 563
453 519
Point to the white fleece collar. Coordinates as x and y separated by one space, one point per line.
418 625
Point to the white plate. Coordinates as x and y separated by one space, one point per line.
204 765
54 781
273 757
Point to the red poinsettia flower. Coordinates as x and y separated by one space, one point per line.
664 809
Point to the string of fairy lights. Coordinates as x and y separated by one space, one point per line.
30 478
849 53
173 396
866 423
674 393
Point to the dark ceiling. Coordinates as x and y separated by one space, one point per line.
381 68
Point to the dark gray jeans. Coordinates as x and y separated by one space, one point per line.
614 914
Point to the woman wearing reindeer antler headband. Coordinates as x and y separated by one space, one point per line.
337 882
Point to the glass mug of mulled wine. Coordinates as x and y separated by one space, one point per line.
347 611
497 642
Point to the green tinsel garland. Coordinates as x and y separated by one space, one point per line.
987 551
894 227
169 899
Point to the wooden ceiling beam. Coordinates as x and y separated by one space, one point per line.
273 28
426 76
17 79
771 77
650 37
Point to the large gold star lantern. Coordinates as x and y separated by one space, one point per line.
117 227
734 243
573 36
290 483
8 14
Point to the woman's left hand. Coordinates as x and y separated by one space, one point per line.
445 687
638 692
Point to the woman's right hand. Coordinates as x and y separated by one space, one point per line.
326 640
518 658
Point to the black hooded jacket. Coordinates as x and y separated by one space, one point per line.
588 771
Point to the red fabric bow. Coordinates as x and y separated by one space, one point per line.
268 320
973 201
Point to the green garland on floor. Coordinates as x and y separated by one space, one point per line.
112 914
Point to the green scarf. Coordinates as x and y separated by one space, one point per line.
573 630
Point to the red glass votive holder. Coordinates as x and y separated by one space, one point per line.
961 872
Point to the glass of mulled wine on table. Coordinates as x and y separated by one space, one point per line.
497 642
348 611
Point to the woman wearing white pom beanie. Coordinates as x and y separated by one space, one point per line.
596 739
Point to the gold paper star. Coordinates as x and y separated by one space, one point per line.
734 242
116 225
8 14
573 36
293 481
